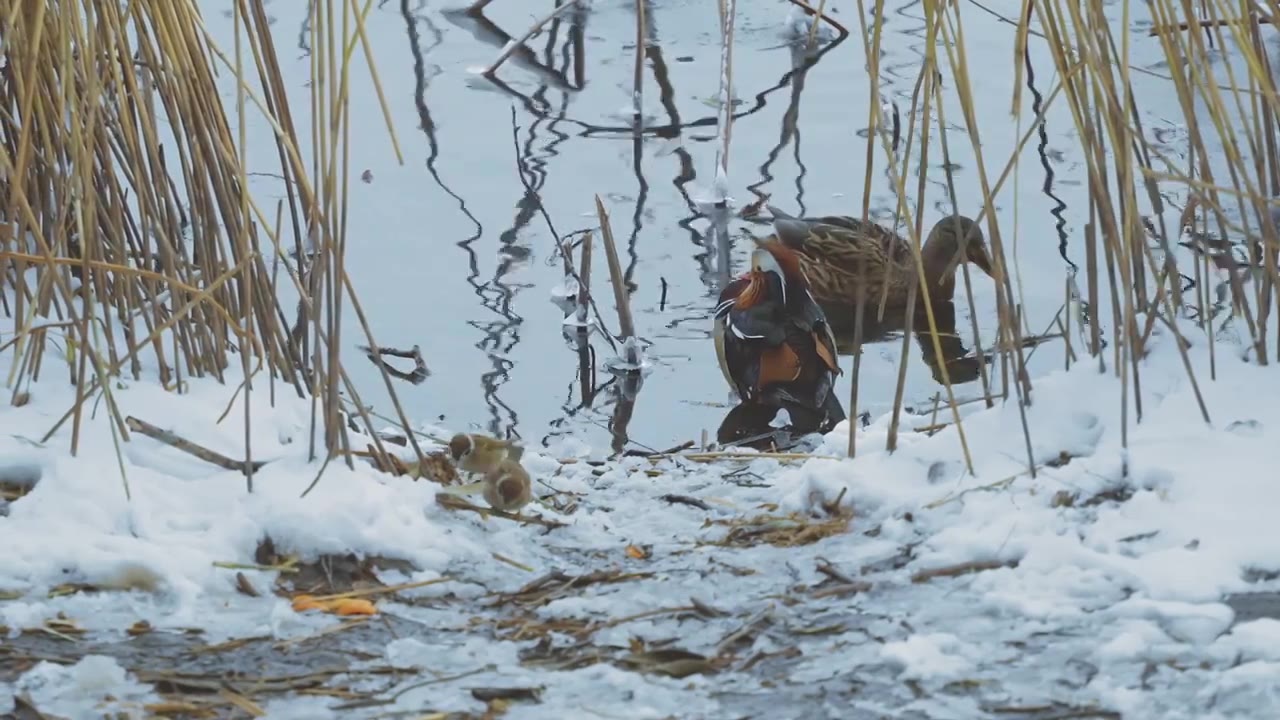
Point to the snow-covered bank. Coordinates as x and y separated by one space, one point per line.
1092 587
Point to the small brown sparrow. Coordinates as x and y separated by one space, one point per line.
480 453
506 487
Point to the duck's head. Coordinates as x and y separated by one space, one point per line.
775 272
961 240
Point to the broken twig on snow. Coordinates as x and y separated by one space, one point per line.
173 440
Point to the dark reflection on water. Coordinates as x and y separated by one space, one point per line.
800 64
500 335
1042 149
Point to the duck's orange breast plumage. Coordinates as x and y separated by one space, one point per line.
774 352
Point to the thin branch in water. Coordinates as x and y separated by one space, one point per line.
511 46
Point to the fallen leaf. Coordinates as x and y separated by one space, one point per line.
639 553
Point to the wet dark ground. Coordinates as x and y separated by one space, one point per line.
349 667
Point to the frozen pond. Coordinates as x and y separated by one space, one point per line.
448 251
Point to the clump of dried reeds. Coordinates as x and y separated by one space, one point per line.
1131 258
1234 165
130 236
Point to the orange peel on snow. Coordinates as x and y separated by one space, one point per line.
353 606
338 606
303 603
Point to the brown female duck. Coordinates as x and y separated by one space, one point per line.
842 256
773 342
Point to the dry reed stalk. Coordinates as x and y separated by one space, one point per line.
584 272
1102 103
813 28
626 325
586 367
562 245
126 182
951 31
512 45
243 246
859 309
928 75
873 117
820 16
728 18
637 81
964 267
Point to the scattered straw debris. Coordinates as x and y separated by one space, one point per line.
964 568
723 455
190 683
391 700
836 583
780 531
504 559
452 502
326 632
434 466
684 610
336 575
557 584
684 500
14 491
672 662
62 628
512 694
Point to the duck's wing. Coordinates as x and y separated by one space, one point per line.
824 341
739 361
813 320
719 329
840 240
